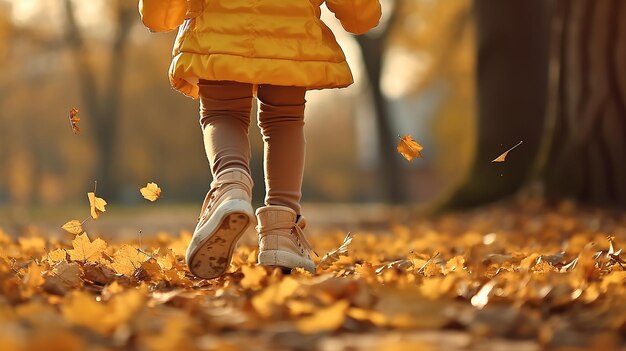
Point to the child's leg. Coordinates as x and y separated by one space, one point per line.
225 118
281 119
227 210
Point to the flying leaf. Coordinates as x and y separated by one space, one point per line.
334 256
73 227
502 157
409 148
85 250
151 192
74 119
96 205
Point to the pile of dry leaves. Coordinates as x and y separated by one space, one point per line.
525 272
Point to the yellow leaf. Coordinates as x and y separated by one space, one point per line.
73 227
151 192
56 256
85 250
33 279
32 245
82 309
74 119
325 319
374 317
502 157
252 277
127 259
333 256
273 295
96 205
409 148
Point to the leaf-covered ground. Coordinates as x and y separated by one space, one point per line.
514 277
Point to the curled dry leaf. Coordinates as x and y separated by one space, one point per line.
409 148
333 256
502 157
96 205
73 227
151 192
74 119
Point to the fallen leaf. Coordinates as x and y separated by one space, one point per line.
73 227
33 278
151 192
96 205
63 277
82 309
276 294
252 277
502 157
409 148
85 250
333 256
324 319
74 119
128 259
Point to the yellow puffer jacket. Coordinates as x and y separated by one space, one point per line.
279 42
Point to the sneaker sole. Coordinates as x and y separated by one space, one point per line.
285 259
211 249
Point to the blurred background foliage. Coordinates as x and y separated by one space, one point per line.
468 79
96 56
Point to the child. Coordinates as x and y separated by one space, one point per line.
226 52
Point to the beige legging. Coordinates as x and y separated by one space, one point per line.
225 117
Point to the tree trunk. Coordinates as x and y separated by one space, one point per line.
586 159
103 109
372 51
372 48
512 70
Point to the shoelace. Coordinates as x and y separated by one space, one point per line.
295 229
215 185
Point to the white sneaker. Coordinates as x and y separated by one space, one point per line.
282 241
226 213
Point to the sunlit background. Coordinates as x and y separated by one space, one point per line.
96 56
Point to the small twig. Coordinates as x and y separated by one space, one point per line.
421 270
140 246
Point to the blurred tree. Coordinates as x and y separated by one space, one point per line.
103 106
584 154
512 78
373 47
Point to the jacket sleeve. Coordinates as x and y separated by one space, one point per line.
356 16
162 15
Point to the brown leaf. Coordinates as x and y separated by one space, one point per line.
502 157
74 119
409 148
63 278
